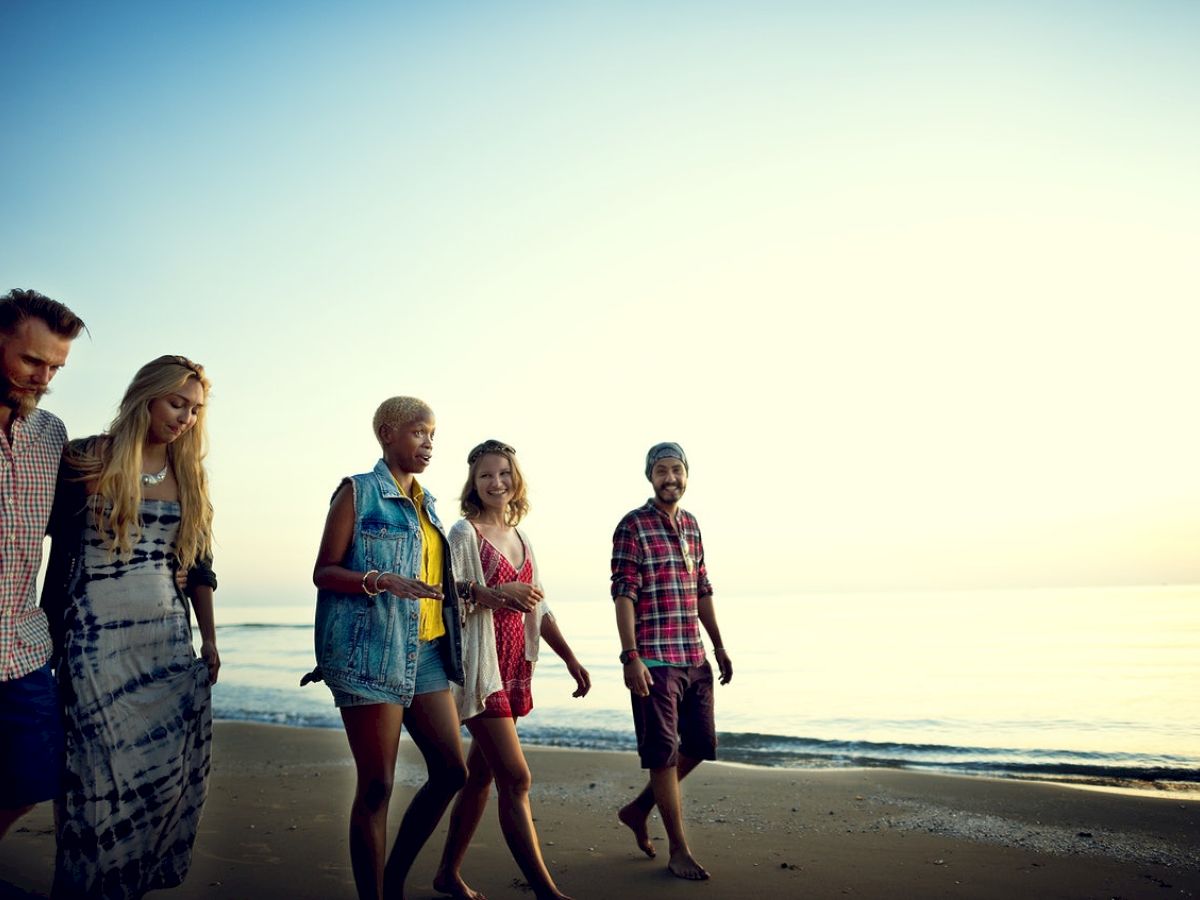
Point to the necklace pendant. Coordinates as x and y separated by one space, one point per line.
150 479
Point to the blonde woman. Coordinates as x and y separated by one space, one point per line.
132 510
506 618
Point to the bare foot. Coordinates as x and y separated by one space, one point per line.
455 887
683 865
632 818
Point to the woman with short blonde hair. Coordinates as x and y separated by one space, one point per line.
388 642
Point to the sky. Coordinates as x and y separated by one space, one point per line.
914 284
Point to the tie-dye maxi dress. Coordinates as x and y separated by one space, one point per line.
138 721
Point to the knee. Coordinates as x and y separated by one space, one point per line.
373 795
515 783
479 780
448 777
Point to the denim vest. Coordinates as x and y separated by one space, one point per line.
368 645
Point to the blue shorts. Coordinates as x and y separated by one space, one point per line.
31 740
431 676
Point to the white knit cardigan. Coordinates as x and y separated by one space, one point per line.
481 668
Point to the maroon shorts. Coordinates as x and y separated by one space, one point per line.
677 717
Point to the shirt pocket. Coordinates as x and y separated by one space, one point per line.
388 546
350 632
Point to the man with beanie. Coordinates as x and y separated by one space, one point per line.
662 594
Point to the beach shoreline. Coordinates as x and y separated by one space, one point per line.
275 826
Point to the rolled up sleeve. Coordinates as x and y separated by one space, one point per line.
202 575
626 563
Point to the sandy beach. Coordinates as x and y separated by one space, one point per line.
275 826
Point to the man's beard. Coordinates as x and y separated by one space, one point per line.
665 494
21 402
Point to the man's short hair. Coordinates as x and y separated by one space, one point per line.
18 305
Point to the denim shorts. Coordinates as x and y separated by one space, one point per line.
31 740
431 676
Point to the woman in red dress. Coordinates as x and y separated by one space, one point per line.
506 617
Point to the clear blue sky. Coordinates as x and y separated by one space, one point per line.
915 284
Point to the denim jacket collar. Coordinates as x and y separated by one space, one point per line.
387 484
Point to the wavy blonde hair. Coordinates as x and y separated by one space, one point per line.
113 463
471 504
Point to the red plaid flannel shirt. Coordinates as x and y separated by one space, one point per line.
649 566
28 468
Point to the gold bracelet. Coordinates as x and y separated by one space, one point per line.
367 590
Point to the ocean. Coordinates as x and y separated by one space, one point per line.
1099 686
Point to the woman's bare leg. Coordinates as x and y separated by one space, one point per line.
464 820
432 720
501 747
374 735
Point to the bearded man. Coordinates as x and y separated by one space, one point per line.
662 595
35 338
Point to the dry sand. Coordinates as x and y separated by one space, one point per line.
275 827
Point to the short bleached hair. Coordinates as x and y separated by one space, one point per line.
397 411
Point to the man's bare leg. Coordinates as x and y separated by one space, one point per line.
8 816
634 815
668 798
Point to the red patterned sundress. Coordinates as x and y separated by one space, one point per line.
516 672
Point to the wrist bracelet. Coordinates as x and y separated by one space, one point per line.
367 590
468 594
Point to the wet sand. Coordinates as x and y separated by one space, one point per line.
275 826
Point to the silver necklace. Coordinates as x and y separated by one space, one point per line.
149 480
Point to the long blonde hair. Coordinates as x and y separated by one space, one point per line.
113 462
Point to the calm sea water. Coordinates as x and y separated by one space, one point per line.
1099 685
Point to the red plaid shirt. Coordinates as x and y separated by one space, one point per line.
28 467
650 566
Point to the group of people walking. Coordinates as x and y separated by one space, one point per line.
415 628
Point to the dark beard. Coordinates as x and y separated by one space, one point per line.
663 497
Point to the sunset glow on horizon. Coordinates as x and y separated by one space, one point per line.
914 285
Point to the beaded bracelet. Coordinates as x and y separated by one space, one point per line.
468 595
